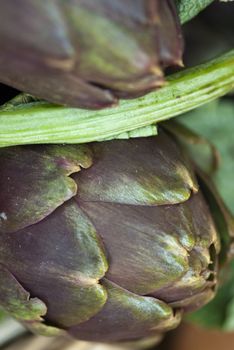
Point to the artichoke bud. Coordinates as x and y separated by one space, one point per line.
107 241
86 53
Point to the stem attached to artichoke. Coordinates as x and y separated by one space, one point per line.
36 122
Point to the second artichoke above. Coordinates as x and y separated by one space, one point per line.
86 53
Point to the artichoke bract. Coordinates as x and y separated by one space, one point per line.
108 241
87 53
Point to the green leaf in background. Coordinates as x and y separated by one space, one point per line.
2 315
190 8
215 121
215 26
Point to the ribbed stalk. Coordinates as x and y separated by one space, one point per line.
39 122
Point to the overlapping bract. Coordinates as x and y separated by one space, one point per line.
86 53
109 241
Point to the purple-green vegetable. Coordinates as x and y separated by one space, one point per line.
107 241
86 53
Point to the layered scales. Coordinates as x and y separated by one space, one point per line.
109 241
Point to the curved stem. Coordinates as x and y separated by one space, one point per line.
36 121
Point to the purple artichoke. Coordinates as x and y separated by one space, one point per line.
107 241
87 53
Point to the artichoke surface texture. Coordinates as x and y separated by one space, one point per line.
87 53
108 241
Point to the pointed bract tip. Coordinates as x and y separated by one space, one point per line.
156 70
180 63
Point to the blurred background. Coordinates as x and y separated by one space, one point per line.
186 337
208 35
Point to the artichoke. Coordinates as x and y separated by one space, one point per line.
87 53
108 241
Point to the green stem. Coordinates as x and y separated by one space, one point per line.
188 9
41 122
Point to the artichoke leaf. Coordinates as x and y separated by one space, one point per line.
165 178
68 256
144 246
195 302
35 181
17 302
52 42
170 247
127 316
88 53
88 96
